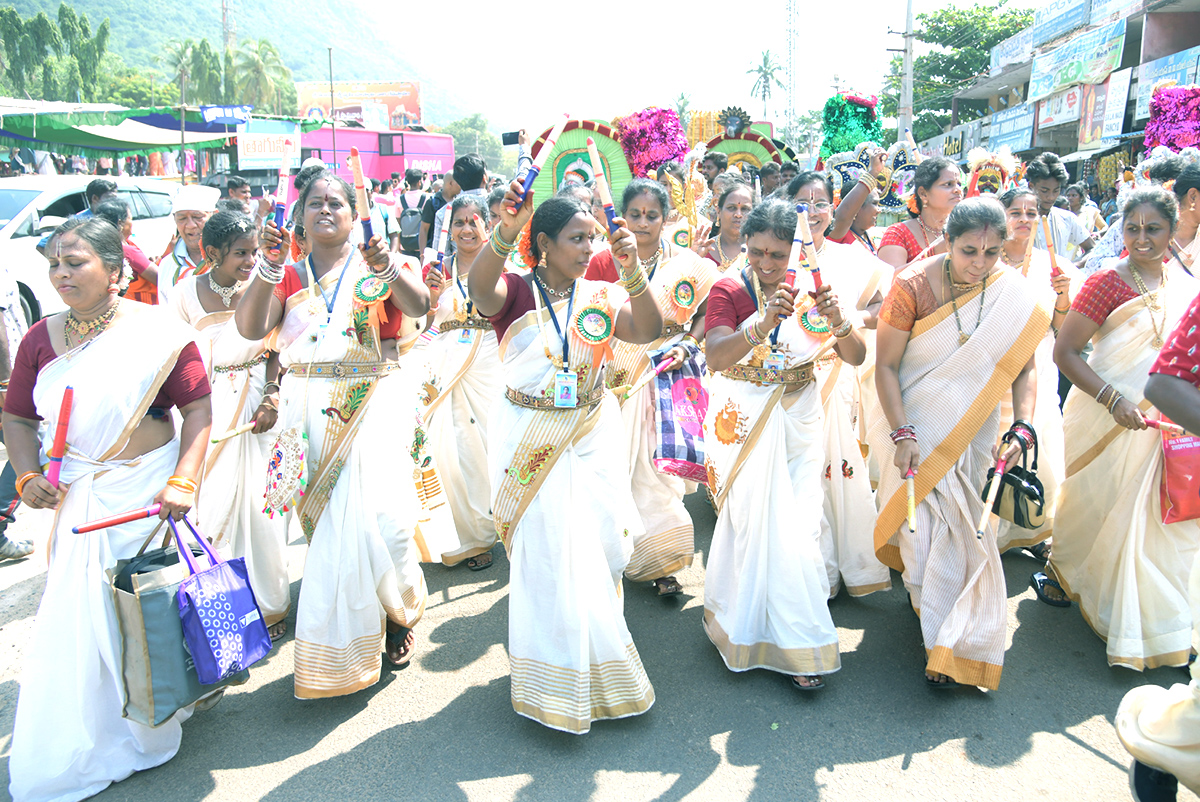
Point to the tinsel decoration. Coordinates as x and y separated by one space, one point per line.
651 137
1174 118
848 121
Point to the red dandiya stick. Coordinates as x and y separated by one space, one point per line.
360 196
117 520
59 448
1172 429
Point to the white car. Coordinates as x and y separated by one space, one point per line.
32 206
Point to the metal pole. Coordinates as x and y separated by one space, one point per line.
182 117
332 114
905 117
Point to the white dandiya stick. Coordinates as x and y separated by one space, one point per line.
757 190
245 427
360 196
910 485
443 239
602 185
912 143
543 154
997 480
1165 427
1054 271
649 377
810 249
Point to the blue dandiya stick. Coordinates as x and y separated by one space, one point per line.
360 195
602 186
540 161
281 189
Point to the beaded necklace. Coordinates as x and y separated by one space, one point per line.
950 287
1151 301
81 329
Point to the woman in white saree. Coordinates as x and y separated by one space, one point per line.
955 333
127 364
560 481
766 590
348 417
1112 552
464 366
679 282
229 506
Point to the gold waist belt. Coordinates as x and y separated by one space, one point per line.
344 370
671 329
242 365
587 398
794 377
470 323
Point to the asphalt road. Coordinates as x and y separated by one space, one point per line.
444 728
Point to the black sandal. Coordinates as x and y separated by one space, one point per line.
668 586
941 685
1039 582
476 565
815 683
1038 551
400 640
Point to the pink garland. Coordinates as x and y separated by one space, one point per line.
1174 118
650 138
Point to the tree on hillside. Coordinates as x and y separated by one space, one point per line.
52 60
260 74
471 135
964 38
766 76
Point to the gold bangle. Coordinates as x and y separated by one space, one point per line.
182 483
23 480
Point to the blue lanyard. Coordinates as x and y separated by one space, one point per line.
554 318
753 297
458 281
329 302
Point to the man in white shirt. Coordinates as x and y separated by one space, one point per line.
1047 176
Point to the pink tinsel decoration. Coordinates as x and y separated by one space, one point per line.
650 138
1174 118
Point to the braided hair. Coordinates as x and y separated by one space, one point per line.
222 230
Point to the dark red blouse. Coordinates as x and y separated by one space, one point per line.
187 382
518 302
728 304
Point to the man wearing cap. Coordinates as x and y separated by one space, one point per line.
191 208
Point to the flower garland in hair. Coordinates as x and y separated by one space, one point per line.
650 138
525 245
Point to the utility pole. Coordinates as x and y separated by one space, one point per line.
905 117
793 133
332 112
183 76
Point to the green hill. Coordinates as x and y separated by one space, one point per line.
301 29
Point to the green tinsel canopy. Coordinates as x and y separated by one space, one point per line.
849 121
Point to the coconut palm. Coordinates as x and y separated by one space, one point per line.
259 72
176 58
766 75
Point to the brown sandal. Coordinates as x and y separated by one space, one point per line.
398 646
668 586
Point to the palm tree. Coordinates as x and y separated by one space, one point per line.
765 75
177 59
259 73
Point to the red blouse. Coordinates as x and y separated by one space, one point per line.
1101 294
1178 357
900 234
728 304
603 268
517 303
187 382
291 285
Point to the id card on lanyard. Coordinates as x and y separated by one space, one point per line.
773 360
329 302
566 381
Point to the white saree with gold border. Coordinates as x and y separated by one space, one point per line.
358 512
564 511
766 591
464 382
229 502
680 286
69 740
951 394
1113 555
848 520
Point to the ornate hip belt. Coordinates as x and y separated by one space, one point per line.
671 329
258 360
827 360
344 370
794 377
588 398
469 323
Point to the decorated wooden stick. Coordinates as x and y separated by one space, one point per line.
649 377
810 250
1054 271
117 520
443 239
757 190
1174 430
796 256
543 154
912 143
602 186
59 448
360 196
991 499
910 484
245 427
281 189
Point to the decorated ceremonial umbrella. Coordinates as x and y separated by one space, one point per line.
569 158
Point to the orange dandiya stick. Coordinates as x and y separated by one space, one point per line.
118 519
360 196
59 448
1054 271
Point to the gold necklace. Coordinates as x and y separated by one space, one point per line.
1151 302
962 338
81 329
537 310
226 293
929 233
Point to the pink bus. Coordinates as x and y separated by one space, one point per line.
383 152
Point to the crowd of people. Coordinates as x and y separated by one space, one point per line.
852 395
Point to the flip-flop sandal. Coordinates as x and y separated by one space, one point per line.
1039 581
815 683
940 685
475 565
1038 551
398 639
673 588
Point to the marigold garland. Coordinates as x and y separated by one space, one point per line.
525 245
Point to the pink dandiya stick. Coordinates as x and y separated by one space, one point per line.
59 448
360 196
997 478
118 519
649 377
602 185
1166 427
540 161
